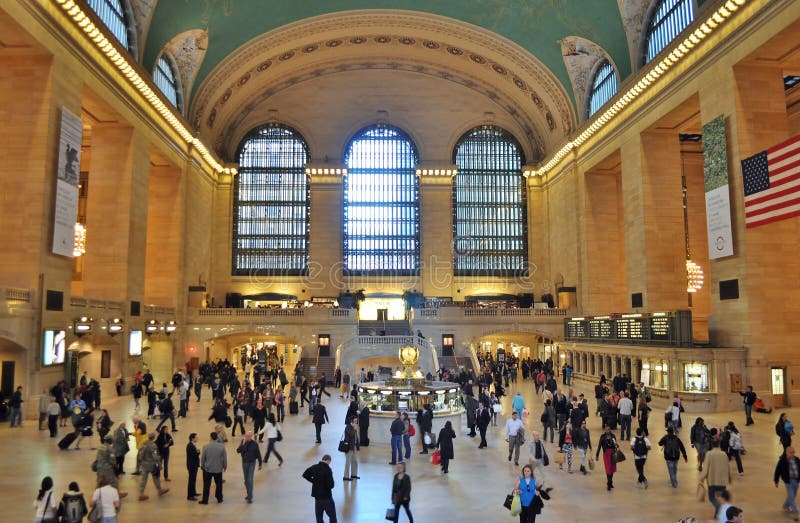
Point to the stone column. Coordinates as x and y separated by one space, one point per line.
436 233
325 246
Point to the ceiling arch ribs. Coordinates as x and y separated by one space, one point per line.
456 49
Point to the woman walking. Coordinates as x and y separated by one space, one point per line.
529 498
565 444
445 445
785 430
700 439
608 445
45 503
108 498
73 504
163 442
351 458
401 492
640 446
271 429
406 435
735 446
643 414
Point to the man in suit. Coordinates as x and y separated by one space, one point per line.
425 422
321 478
192 464
482 419
320 418
213 461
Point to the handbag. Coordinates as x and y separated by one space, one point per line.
559 458
508 501
280 436
426 439
390 513
516 506
545 458
96 514
591 463
344 445
618 456
412 431
497 408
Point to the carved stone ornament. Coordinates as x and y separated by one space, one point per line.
580 56
188 49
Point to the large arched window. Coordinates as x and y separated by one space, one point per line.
668 19
165 75
604 86
381 203
489 205
114 15
271 203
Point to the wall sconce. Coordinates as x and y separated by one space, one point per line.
151 327
115 326
170 327
83 325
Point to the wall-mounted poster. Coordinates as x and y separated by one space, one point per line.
67 173
718 198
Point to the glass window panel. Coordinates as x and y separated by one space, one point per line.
165 76
604 86
113 17
381 203
489 205
668 20
271 203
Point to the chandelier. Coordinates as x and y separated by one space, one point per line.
79 246
694 276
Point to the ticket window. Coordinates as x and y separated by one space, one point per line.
695 377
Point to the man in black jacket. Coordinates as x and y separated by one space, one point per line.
482 419
192 464
320 418
321 478
788 470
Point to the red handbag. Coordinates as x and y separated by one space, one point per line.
412 431
436 457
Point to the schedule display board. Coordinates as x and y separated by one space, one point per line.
658 328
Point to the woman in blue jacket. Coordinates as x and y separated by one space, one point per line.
531 503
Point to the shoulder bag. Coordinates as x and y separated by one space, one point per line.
344 445
96 514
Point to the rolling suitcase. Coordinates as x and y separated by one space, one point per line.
293 407
67 440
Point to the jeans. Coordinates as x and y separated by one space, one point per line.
562 420
748 412
327 506
16 416
407 445
640 469
249 469
272 450
624 427
397 449
735 454
672 467
791 494
350 464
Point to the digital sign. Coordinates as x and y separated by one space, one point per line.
54 347
135 343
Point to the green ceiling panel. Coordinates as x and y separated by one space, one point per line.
535 25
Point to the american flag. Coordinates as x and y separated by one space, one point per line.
772 184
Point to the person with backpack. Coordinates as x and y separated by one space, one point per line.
700 438
673 449
72 508
640 446
735 446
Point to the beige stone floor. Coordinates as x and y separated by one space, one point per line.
472 492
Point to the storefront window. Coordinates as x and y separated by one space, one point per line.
695 377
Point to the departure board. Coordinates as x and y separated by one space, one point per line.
658 328
576 328
632 328
601 328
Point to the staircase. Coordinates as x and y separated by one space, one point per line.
326 364
452 363
384 328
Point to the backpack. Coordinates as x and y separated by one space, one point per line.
72 509
724 441
640 447
672 450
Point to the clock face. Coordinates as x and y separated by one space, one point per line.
408 355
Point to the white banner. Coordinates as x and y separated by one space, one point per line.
67 175
718 220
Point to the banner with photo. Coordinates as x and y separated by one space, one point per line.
718 198
67 175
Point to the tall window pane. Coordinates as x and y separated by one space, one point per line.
271 203
165 78
489 205
668 20
604 86
113 16
381 203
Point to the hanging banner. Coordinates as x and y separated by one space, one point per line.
718 199
67 171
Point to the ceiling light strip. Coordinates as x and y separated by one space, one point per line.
84 23
678 53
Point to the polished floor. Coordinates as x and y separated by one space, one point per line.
472 492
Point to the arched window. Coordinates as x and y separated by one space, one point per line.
604 86
114 15
271 203
669 18
489 205
381 203
165 75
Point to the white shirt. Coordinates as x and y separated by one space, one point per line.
625 406
270 430
46 507
109 497
721 514
513 426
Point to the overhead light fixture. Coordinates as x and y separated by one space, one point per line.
151 327
83 325
170 327
115 326
79 247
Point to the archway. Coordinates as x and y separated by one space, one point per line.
13 366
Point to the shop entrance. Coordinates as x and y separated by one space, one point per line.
779 387
8 379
